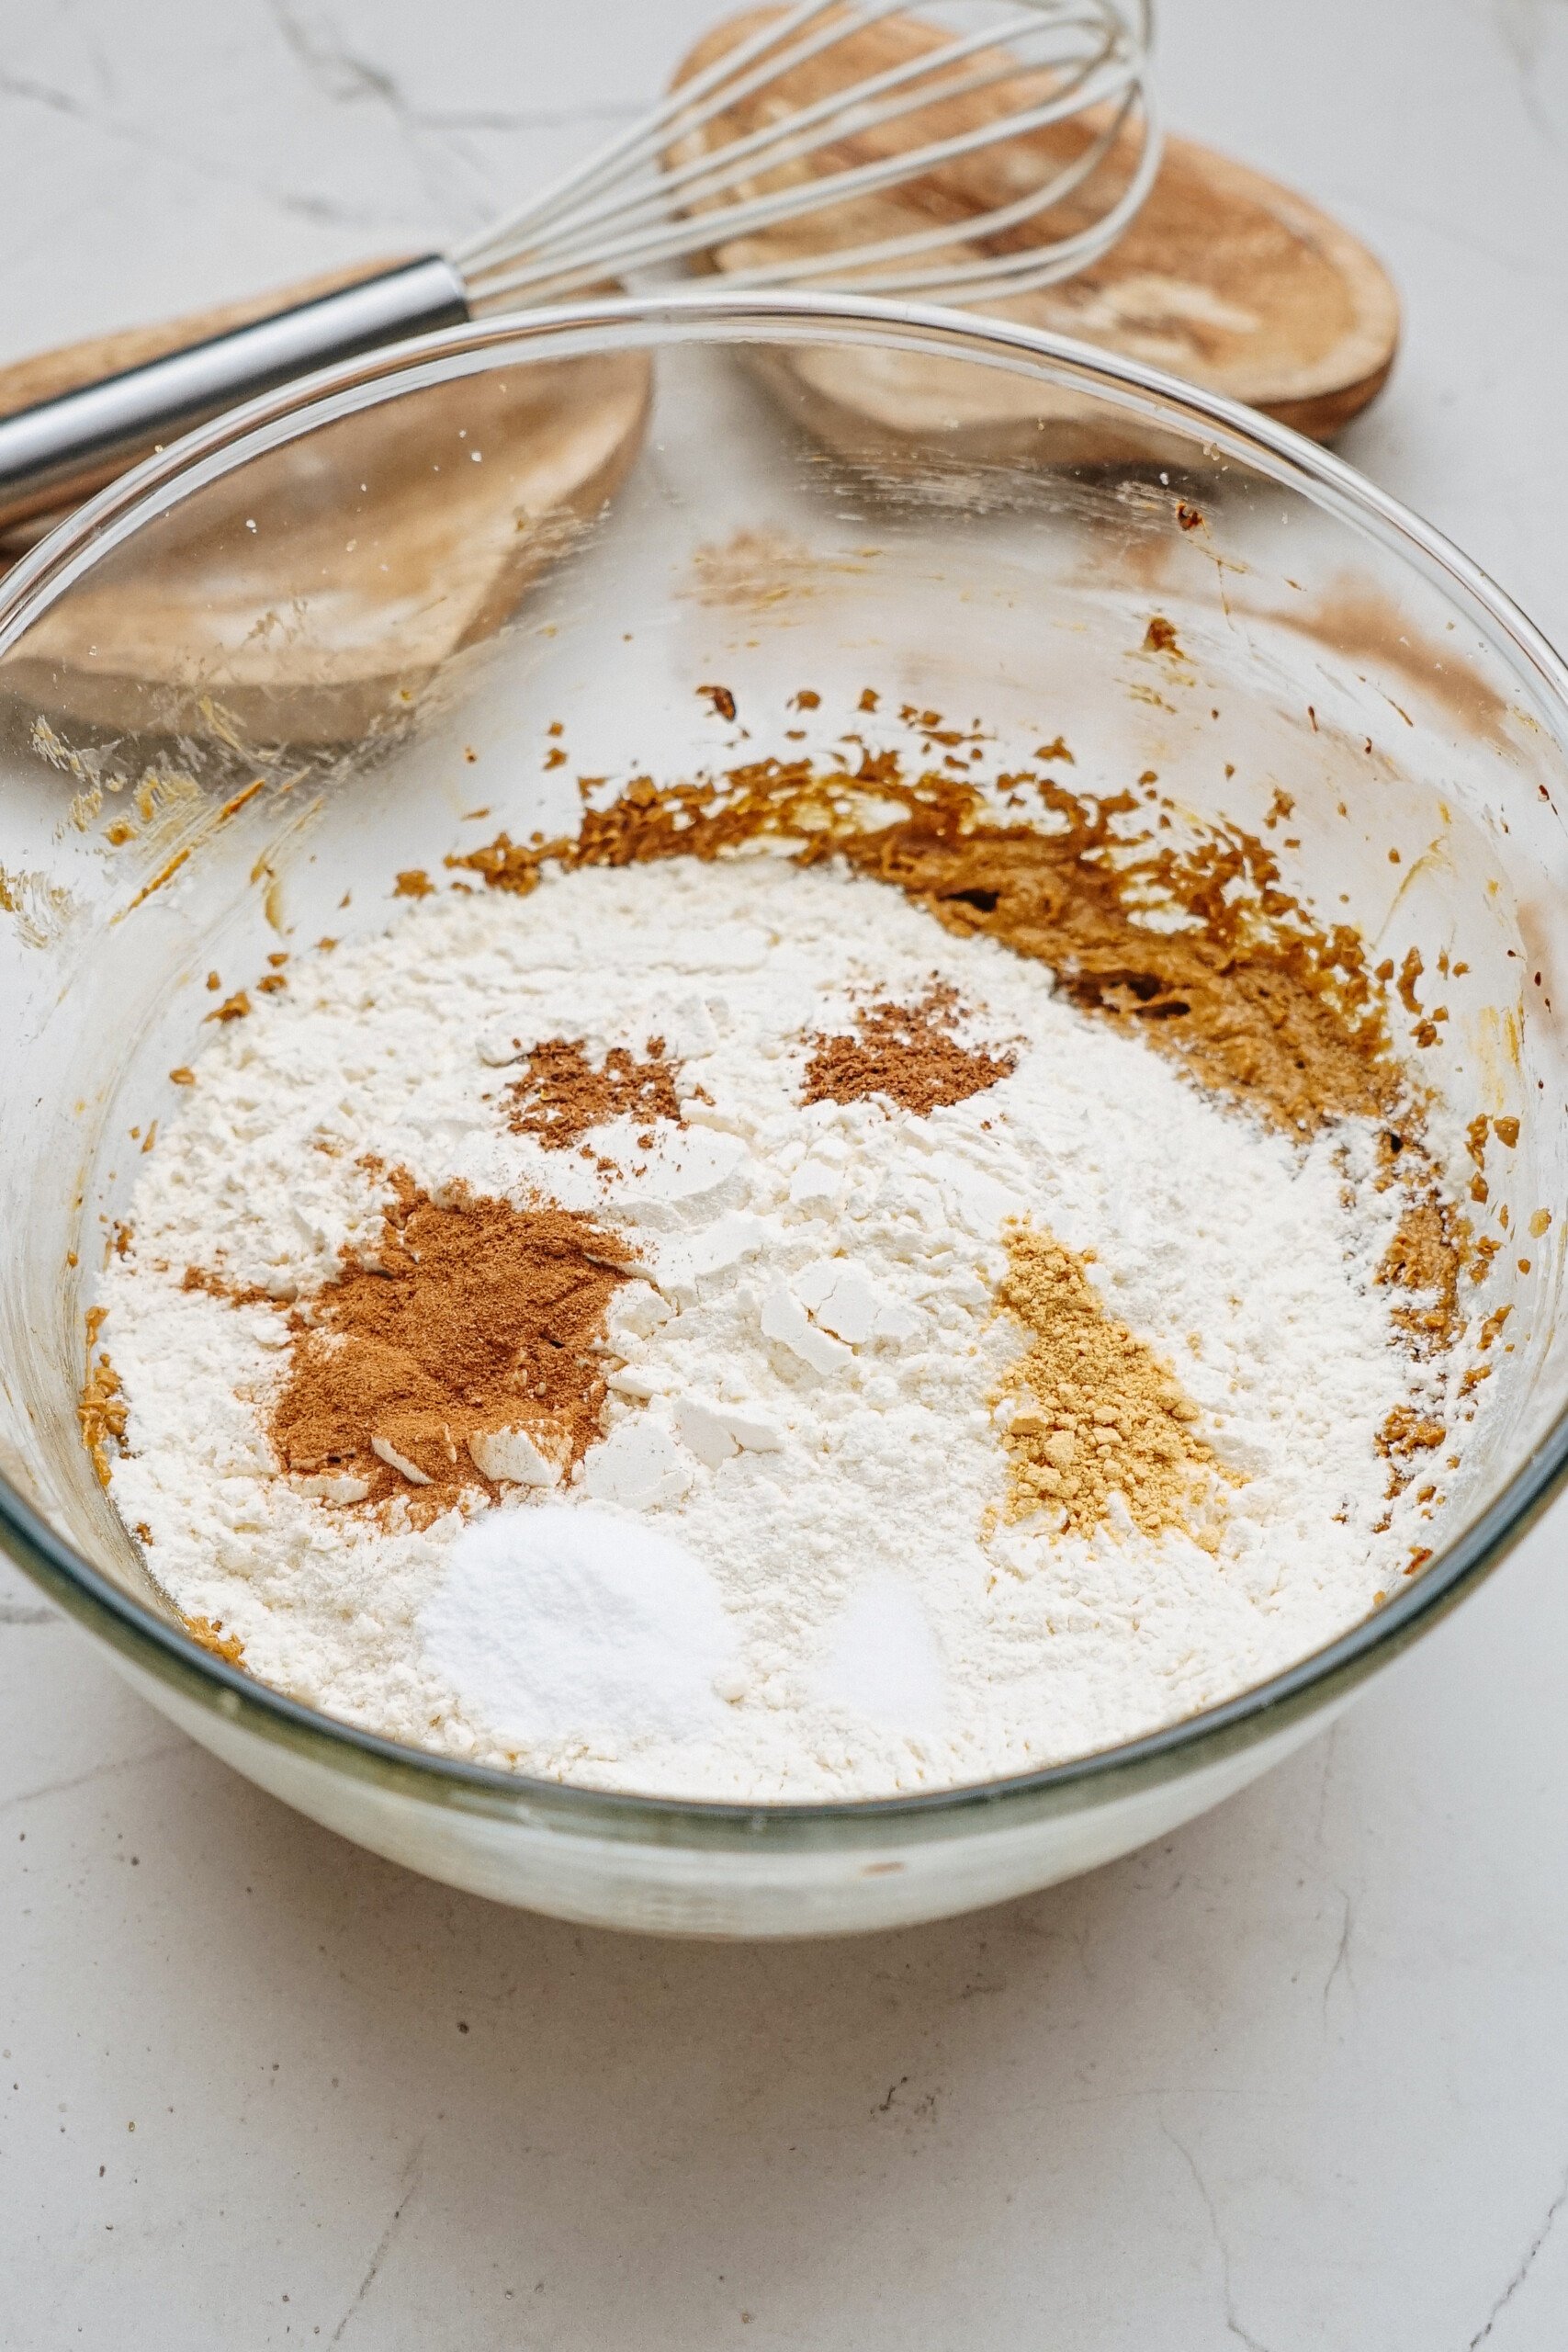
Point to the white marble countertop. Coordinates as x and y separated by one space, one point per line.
1296 2079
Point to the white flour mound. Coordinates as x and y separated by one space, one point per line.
800 1394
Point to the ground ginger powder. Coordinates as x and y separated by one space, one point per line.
1089 1409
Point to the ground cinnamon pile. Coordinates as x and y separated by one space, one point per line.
909 1052
561 1095
1090 1408
474 1319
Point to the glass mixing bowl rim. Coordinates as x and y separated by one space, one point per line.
1195 1742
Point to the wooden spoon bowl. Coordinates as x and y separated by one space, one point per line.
314 596
1224 277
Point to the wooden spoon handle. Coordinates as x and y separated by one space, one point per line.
49 373
58 448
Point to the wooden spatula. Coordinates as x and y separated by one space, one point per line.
313 596
1224 277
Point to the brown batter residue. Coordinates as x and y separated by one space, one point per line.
1404 1437
1093 1411
1432 1244
562 1095
473 1317
909 1052
1426 1255
101 1407
1407 1432
208 1635
1253 996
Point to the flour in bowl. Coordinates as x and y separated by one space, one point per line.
705 1328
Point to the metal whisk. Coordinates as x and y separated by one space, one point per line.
729 156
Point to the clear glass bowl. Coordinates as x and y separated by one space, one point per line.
340 594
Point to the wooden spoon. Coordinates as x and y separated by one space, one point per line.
1224 277
314 596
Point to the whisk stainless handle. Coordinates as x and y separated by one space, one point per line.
805 108
58 450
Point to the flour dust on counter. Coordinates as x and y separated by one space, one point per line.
706 1328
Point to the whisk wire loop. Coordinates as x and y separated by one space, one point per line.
640 140
990 276
646 199
668 242
709 173
813 111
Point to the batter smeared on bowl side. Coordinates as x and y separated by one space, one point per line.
800 1289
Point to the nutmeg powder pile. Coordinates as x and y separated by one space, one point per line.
474 1318
1255 996
562 1094
907 1052
1094 1410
